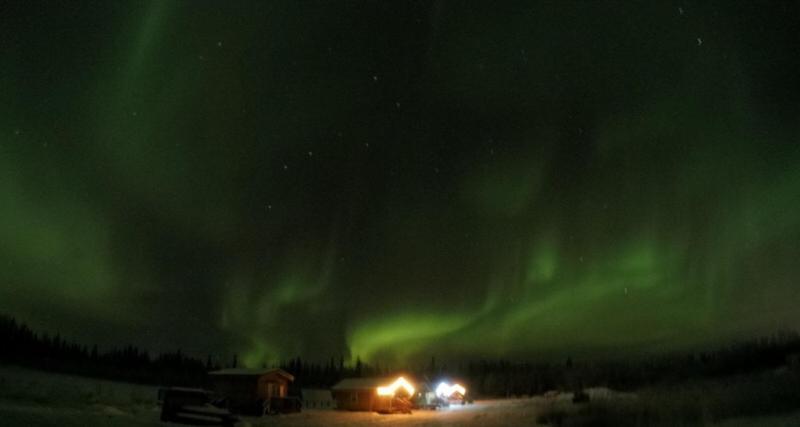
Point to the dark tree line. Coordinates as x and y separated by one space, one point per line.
324 375
500 378
20 345
506 378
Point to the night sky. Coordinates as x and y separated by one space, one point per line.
395 180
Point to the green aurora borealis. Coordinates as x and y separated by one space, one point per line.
399 180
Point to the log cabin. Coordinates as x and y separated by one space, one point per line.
370 394
247 389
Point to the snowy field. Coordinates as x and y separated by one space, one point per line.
487 413
32 398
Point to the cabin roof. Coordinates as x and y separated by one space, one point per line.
362 383
245 372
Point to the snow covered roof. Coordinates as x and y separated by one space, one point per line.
362 383
252 372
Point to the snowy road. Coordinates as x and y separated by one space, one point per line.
484 413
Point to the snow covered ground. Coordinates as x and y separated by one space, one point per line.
510 412
32 398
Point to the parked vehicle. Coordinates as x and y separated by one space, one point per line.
429 401
192 406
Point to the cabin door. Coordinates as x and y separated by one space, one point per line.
271 390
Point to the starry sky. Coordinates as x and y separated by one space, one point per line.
395 180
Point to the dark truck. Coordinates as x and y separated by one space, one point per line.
192 406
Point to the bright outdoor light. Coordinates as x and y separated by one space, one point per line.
391 389
445 390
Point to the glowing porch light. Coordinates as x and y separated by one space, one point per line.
445 390
391 389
